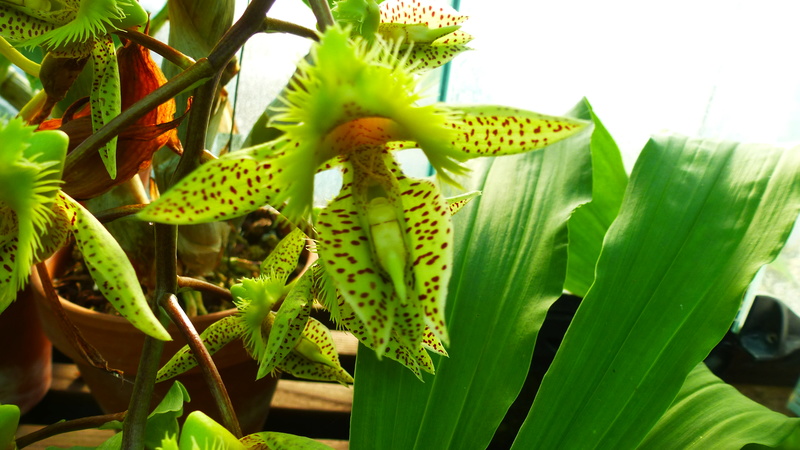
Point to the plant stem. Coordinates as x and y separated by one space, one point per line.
279 26
199 117
18 59
322 11
169 53
67 426
204 286
133 428
207 366
73 334
112 214
251 22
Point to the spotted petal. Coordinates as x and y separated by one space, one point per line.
346 317
282 261
315 357
288 325
228 187
110 268
275 440
430 233
344 249
418 11
455 203
105 97
498 130
216 336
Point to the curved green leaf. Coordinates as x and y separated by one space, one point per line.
509 266
589 224
699 218
708 413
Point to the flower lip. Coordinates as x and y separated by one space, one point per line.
358 134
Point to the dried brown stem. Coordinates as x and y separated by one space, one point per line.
204 286
207 366
67 426
73 334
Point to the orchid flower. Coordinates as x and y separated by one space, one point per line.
36 219
288 339
430 34
78 29
386 240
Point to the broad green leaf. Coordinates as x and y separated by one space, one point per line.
281 441
509 267
110 268
708 413
589 224
105 96
698 220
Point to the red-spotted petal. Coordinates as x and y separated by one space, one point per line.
216 336
457 202
345 251
498 130
287 327
105 96
315 356
228 187
282 261
418 11
430 237
110 268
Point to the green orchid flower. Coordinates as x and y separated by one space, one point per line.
287 340
429 33
78 29
36 219
386 239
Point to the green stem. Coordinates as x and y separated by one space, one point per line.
322 11
279 26
67 426
195 74
207 366
204 286
199 118
169 53
133 428
158 20
18 59
112 214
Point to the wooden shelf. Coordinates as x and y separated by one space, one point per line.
319 410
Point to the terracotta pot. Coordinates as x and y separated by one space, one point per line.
25 361
121 344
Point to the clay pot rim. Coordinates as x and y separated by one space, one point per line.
114 318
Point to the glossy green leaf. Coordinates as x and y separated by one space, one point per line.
202 432
9 419
589 224
708 413
699 218
509 266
